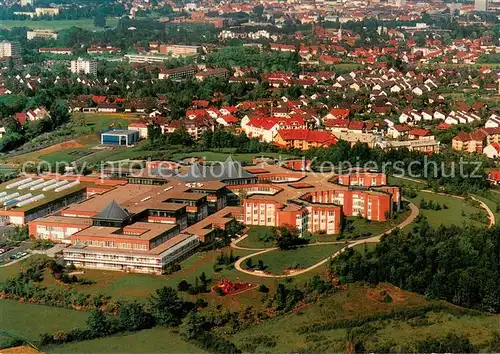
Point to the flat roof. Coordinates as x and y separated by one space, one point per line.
120 132
120 194
206 225
58 219
144 231
49 196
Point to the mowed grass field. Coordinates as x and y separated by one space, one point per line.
358 302
155 340
258 237
279 262
28 321
55 24
458 213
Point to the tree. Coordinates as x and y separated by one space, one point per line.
258 10
100 20
452 343
98 324
193 326
204 282
133 317
166 307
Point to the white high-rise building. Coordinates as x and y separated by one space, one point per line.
10 49
84 66
400 3
481 5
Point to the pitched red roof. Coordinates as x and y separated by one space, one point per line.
337 123
21 118
316 136
99 99
419 132
356 125
340 113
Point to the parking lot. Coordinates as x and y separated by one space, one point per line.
8 256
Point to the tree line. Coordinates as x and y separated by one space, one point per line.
457 264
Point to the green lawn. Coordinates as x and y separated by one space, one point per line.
29 321
67 155
10 271
458 212
155 340
258 237
356 227
277 262
362 248
357 302
56 24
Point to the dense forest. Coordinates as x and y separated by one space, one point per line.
460 265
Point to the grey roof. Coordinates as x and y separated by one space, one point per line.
113 211
229 169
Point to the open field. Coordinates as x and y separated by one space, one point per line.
28 321
56 24
278 262
155 340
358 302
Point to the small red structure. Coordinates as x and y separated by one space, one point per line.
229 287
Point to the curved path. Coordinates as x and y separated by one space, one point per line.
414 213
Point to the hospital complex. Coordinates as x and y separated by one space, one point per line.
143 220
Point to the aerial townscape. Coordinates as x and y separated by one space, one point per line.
244 176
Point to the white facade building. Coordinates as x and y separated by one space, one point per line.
9 49
84 66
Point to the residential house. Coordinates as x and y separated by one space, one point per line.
398 131
303 139
492 150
